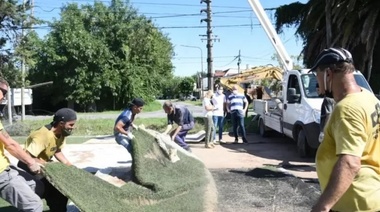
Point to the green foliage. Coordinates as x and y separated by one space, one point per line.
11 14
13 46
170 89
102 54
186 86
350 24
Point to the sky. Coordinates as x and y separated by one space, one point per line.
235 25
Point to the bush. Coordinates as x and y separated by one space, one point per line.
18 129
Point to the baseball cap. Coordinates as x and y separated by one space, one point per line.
65 114
332 56
137 102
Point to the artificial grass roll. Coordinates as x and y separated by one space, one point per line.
159 184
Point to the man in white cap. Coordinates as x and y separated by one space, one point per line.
348 159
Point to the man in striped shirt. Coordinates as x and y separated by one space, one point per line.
237 106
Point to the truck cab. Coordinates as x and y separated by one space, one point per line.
296 113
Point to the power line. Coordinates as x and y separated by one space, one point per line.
180 58
159 4
163 27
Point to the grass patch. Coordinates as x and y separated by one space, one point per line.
196 103
69 140
87 128
149 107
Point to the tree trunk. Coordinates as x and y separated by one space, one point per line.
328 23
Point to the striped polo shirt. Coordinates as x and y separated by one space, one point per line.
236 101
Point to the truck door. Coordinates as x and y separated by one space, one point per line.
292 104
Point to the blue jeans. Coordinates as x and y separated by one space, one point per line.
125 141
218 122
180 137
237 119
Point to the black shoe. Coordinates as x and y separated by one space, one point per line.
245 140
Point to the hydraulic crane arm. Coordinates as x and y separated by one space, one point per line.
272 34
256 73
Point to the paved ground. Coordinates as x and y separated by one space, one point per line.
247 178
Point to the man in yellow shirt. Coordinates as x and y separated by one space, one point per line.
348 159
47 142
17 187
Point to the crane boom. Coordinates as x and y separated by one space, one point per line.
272 34
256 73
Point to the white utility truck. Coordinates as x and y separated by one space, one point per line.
296 113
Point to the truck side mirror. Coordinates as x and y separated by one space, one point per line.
293 97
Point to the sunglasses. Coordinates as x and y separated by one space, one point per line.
4 91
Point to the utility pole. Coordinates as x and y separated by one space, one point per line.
22 69
239 62
209 45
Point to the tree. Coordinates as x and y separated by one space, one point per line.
186 86
353 25
103 55
11 16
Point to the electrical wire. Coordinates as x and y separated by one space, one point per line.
159 4
163 27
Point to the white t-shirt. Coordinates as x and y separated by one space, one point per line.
218 100
206 102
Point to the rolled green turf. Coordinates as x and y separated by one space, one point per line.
159 185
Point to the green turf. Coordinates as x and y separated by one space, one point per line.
159 184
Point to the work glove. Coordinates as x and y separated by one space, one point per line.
131 136
35 168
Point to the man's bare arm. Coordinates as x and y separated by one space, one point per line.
344 172
61 158
16 150
119 128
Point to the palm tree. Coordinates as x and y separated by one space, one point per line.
352 24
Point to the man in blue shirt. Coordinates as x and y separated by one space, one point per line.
124 121
237 106
183 118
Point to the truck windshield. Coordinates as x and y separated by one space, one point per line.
309 82
362 82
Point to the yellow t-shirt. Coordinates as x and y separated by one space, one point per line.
4 161
43 143
353 129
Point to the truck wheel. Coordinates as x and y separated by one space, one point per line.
302 146
262 129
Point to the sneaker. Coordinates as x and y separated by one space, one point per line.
188 149
209 146
236 141
215 142
245 140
